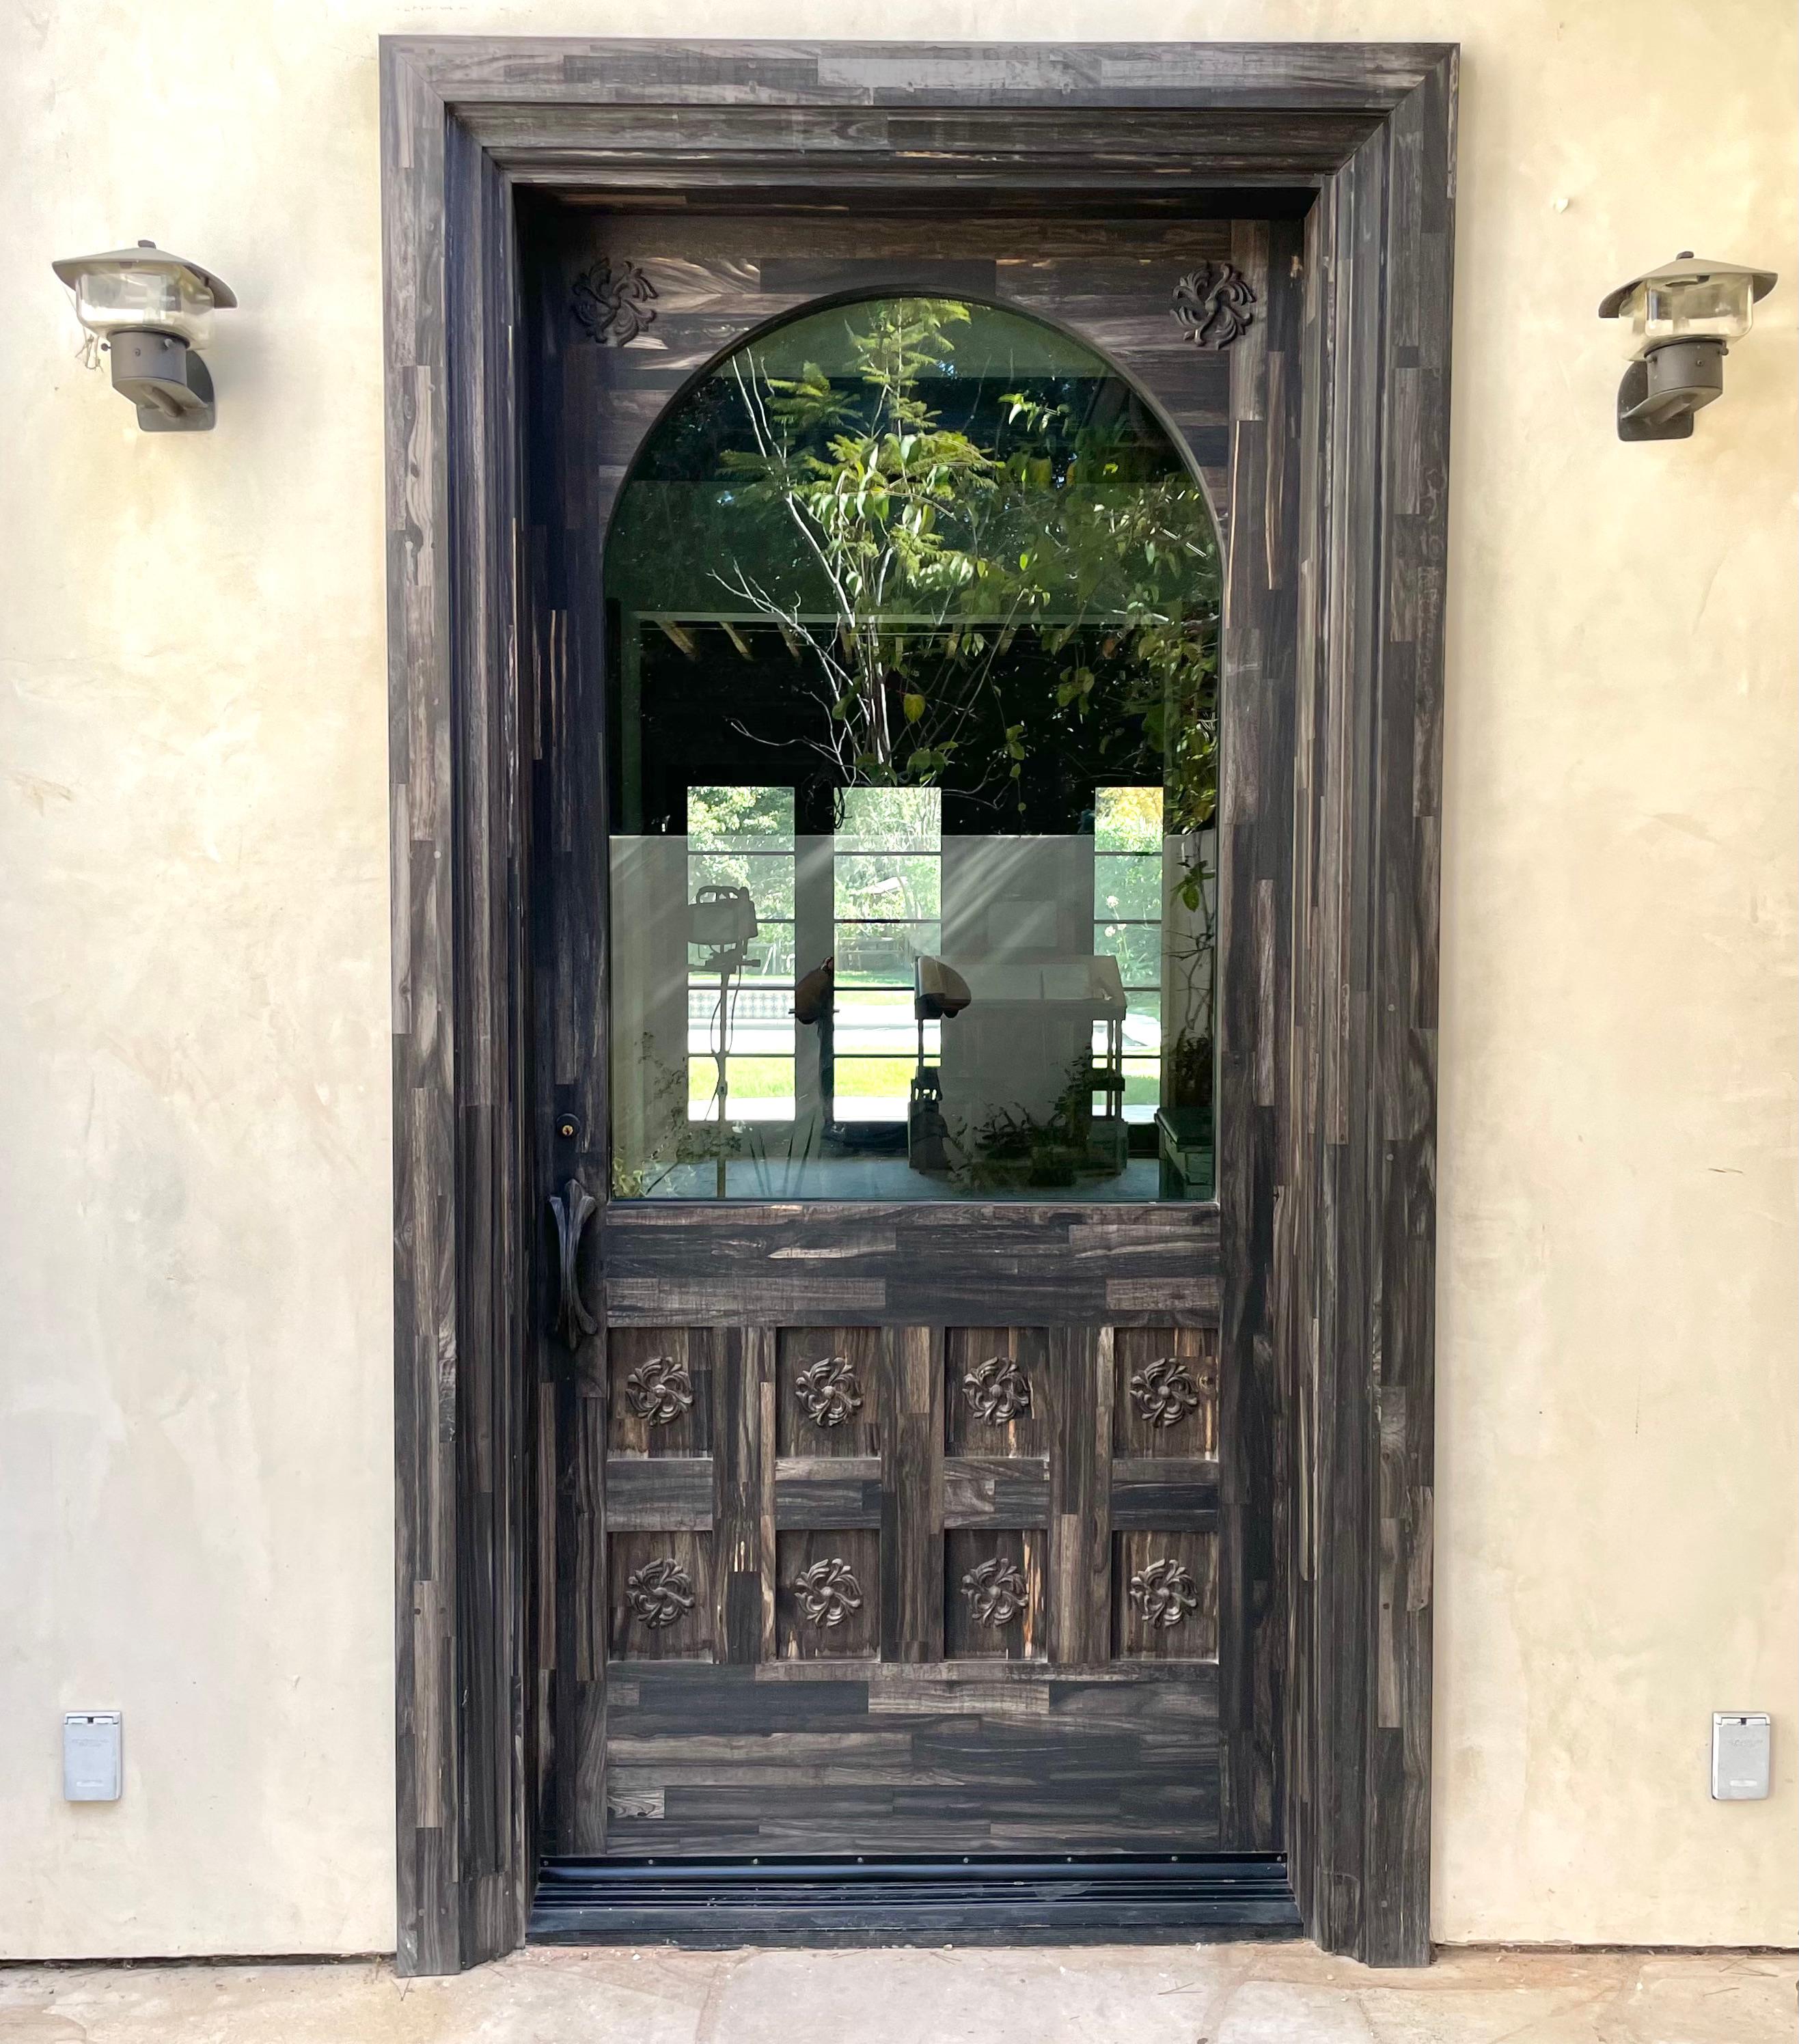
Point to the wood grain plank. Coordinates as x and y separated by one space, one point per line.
1080 1571
645 1494
743 1362
998 1490
912 1495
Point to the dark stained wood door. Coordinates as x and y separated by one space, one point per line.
880 1530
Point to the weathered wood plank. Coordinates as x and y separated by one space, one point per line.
743 1362
1298 79
1080 1479
646 1494
1161 1493
996 1490
912 1495
812 1492
835 1266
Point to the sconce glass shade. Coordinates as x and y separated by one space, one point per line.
1688 299
144 289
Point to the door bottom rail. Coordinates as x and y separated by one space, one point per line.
950 1900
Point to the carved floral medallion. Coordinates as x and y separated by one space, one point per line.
996 1591
998 1389
661 1592
828 1390
1164 1391
828 1593
613 301
1163 1592
660 1390
1216 304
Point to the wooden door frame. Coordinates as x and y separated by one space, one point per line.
1329 832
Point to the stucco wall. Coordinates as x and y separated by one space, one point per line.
195 1496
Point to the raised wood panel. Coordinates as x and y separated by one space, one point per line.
828 1595
660 1401
1165 1596
659 1596
994 1596
996 1399
830 1392
1165 1402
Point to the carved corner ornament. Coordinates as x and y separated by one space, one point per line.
1216 303
1163 1592
996 1592
828 1592
1163 1392
828 1391
998 1390
660 1390
614 302
661 1592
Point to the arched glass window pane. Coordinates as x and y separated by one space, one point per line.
914 607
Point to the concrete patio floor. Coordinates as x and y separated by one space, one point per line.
1209 1994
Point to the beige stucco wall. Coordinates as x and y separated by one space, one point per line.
195 1496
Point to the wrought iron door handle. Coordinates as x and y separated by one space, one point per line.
573 1207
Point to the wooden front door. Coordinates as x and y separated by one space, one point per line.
904 1504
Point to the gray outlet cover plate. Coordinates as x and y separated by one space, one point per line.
91 1743
1739 1756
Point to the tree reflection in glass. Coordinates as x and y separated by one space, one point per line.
914 619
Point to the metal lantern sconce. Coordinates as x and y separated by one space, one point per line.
1679 321
154 312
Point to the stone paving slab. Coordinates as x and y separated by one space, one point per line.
1205 1994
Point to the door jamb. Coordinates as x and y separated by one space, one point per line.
1342 1067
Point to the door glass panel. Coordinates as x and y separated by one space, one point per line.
913 613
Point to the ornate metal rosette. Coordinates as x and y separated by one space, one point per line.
828 1391
660 1390
1163 1592
661 1592
1164 1392
612 300
996 1592
1216 304
828 1592
998 1390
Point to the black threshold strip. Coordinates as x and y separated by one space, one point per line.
978 1900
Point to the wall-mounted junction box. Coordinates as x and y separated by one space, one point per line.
91 1772
1740 1755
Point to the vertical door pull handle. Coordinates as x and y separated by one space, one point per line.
573 1208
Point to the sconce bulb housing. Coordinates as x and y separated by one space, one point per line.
1677 323
154 311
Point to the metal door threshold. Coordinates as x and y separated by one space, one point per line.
779 1900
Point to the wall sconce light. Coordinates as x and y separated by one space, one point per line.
154 312
1679 321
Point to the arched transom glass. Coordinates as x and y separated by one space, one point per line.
913 608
